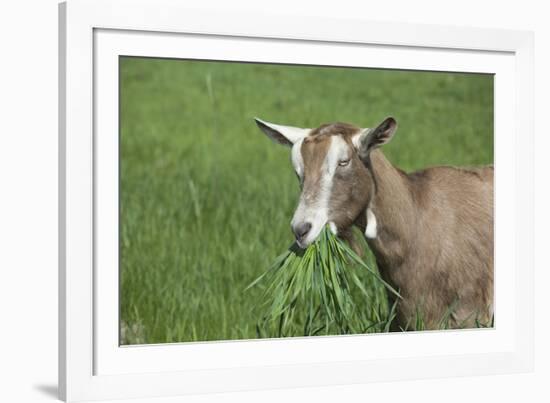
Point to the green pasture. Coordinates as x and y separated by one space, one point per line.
206 198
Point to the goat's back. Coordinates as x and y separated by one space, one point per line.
450 262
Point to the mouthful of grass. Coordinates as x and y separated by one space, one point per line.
326 289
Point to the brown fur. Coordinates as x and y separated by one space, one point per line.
434 238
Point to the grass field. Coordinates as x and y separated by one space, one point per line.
206 198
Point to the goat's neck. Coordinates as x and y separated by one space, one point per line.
392 206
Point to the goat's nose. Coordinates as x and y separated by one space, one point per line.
301 230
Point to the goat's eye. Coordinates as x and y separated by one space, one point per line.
343 163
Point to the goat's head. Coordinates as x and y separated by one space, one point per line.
331 164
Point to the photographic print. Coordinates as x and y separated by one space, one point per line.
268 200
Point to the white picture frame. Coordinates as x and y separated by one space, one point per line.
94 33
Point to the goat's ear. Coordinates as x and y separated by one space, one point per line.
369 139
286 135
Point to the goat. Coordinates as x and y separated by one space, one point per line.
431 231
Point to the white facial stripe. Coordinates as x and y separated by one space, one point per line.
371 231
316 211
297 160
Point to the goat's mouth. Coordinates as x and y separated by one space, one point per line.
307 233
303 244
